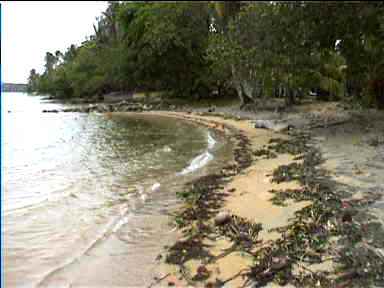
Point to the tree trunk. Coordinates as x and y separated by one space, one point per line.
244 90
290 99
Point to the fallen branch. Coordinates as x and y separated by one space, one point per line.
158 280
328 124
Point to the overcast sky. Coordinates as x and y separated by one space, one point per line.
29 29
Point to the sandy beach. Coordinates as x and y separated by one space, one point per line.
242 189
249 197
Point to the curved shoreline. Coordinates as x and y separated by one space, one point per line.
276 191
236 131
243 195
67 270
245 189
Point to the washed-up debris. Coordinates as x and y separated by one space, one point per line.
307 239
293 147
271 125
222 218
241 231
202 273
332 227
201 217
123 106
264 152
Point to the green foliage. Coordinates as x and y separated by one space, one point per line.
32 81
194 48
218 57
168 41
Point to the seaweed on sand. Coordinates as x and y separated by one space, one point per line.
304 172
202 200
264 152
241 231
242 153
333 227
310 236
298 145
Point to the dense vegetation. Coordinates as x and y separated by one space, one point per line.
249 50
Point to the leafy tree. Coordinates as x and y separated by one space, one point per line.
50 62
167 41
260 50
70 54
32 81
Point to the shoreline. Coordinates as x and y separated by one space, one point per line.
245 189
248 194
241 161
105 266
241 197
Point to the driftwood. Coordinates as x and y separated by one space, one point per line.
283 126
158 280
327 124
271 125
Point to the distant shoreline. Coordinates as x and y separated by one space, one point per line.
13 87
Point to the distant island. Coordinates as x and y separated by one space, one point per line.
13 87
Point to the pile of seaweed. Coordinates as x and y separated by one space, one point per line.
334 227
203 198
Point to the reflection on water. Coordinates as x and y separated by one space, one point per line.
74 182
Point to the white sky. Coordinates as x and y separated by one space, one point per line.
29 29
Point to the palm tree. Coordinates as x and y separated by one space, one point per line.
107 29
50 62
70 54
59 56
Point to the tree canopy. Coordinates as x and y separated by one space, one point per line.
259 50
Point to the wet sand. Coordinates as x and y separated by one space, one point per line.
354 164
122 258
251 200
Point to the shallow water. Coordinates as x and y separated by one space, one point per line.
86 196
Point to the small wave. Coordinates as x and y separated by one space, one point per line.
155 186
120 223
202 159
197 163
211 141
112 227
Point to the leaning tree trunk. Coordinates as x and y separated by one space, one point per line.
290 99
243 89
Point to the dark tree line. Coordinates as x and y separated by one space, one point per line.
250 50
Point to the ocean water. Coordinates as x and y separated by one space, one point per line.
86 197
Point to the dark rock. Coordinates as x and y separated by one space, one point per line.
222 218
51 111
